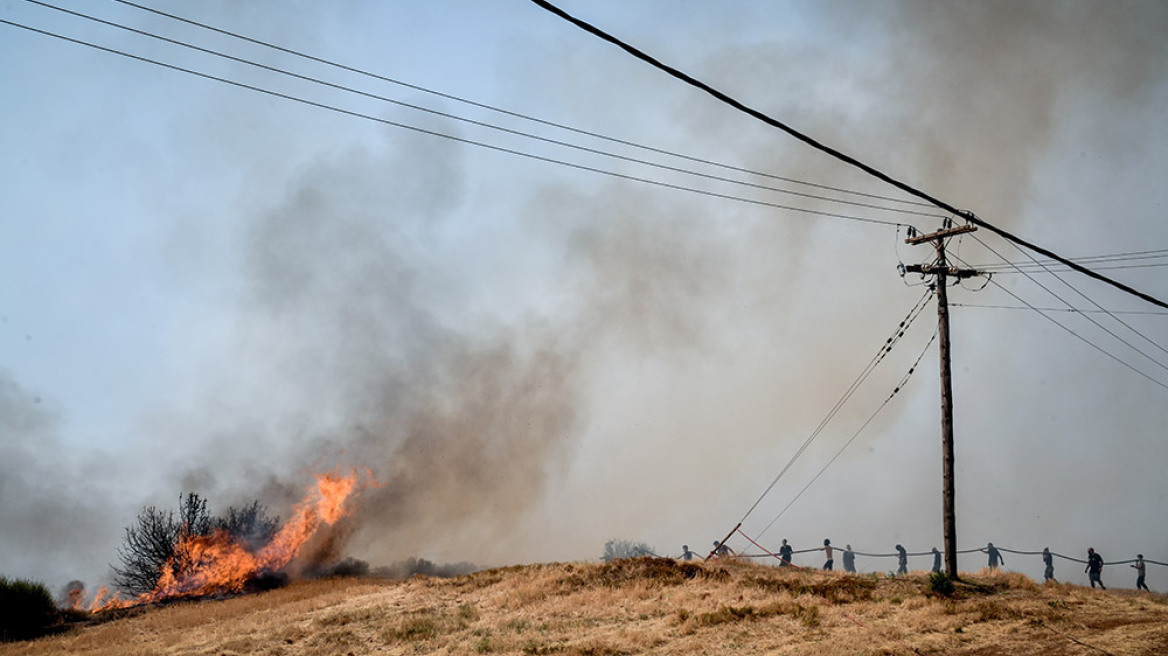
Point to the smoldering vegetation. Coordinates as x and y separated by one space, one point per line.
399 571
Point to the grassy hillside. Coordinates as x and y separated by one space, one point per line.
644 605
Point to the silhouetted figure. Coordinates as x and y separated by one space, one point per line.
1141 569
686 554
995 556
1094 568
785 554
849 559
721 550
936 560
901 560
827 552
1048 560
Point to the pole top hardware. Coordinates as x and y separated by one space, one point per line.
941 234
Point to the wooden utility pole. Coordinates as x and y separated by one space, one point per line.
942 272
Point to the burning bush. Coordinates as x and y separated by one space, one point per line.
194 554
26 609
160 545
151 542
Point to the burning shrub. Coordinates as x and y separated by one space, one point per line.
152 540
195 555
26 609
159 545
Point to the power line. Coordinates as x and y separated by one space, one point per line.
886 348
1126 255
967 215
483 124
512 113
1096 304
1087 316
1048 309
1109 258
450 137
1043 269
1075 334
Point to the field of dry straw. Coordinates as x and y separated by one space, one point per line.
645 605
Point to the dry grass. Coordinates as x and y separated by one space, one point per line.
639 606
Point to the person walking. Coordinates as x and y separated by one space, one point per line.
901 560
995 556
849 559
1141 569
827 566
1048 561
785 554
936 560
1094 568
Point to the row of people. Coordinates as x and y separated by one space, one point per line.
1094 568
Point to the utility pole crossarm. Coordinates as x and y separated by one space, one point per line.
932 269
941 234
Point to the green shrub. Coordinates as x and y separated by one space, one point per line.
26 609
940 583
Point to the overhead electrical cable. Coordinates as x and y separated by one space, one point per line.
483 124
1073 333
885 348
968 216
895 391
1087 316
450 137
514 114
1108 258
1049 309
1093 302
1062 269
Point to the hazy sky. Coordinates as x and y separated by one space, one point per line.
208 288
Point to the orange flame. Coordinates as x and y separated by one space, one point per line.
217 563
327 507
75 599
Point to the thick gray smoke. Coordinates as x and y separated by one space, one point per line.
531 363
50 503
365 350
